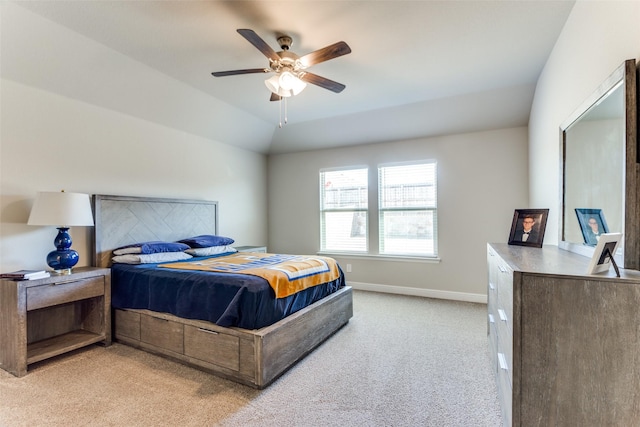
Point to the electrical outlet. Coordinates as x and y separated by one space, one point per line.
348 268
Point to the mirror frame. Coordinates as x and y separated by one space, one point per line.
626 74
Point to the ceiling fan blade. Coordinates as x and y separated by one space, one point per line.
236 72
323 82
262 46
275 97
333 51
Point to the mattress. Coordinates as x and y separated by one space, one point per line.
226 299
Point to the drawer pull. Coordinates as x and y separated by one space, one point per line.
492 286
491 319
503 362
208 331
64 283
503 315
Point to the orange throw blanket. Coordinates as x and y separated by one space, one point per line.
286 274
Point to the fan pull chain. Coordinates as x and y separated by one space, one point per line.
282 99
285 111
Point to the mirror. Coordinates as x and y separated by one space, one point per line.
599 169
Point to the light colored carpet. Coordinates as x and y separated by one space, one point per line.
400 361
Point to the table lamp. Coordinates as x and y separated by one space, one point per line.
63 210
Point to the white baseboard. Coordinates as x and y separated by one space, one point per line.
428 293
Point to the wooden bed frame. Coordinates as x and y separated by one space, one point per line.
252 357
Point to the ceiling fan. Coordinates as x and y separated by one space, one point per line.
290 76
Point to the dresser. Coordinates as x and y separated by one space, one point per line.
564 346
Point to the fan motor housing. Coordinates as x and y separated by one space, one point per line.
285 42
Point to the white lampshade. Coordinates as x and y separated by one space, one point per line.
61 209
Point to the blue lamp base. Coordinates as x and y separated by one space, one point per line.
63 258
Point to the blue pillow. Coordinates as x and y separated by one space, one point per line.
151 248
207 241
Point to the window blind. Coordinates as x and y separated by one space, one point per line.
344 210
407 208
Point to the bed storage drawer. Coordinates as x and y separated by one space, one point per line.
63 292
127 324
162 333
212 347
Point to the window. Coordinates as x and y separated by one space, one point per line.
344 210
407 205
406 212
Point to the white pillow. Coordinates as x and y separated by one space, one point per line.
131 250
211 250
151 258
151 248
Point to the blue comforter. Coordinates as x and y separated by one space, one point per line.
225 299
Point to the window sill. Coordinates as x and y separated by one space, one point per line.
378 257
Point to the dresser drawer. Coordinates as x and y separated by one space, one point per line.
492 294
505 292
64 292
493 271
505 343
505 390
493 342
213 347
162 333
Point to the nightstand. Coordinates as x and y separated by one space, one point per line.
47 317
262 249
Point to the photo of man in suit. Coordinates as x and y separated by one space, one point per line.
527 227
593 233
592 224
526 232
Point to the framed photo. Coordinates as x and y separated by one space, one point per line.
527 228
592 224
603 255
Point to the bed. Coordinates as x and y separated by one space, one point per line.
251 356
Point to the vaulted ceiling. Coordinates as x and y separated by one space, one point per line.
417 68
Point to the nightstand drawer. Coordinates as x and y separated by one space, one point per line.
63 292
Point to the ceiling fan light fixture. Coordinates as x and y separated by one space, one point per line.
295 83
285 84
286 80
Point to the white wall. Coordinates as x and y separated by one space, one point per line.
597 38
50 142
482 178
